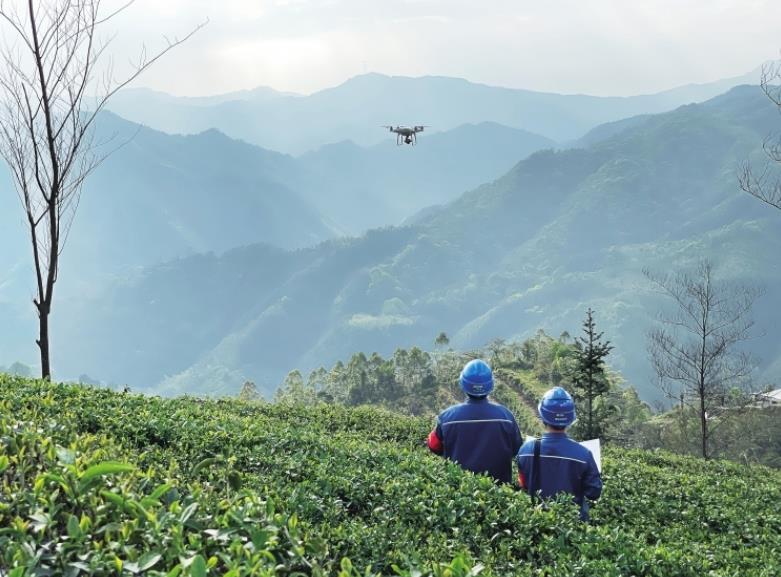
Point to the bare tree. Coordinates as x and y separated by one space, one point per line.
695 352
765 184
49 62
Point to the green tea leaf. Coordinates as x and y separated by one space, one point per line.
74 530
105 468
198 567
149 560
160 491
208 462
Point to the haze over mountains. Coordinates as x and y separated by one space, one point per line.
357 108
208 192
159 197
561 231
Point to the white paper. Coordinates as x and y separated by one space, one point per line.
593 445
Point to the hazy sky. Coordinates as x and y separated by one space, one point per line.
618 47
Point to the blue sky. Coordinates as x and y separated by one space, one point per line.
616 47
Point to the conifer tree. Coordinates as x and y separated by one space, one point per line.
590 381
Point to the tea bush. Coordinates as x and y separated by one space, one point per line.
100 483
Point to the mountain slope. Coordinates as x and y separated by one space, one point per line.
563 230
155 198
357 108
185 195
359 188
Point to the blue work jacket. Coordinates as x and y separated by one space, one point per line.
480 436
566 466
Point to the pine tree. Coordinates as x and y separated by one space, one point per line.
590 380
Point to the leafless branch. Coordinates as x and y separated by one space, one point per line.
765 183
48 61
695 352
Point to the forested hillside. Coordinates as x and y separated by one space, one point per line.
560 232
210 193
96 482
416 382
159 197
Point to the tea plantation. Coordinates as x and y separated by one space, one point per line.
100 483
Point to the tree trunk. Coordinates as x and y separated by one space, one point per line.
590 416
43 341
703 427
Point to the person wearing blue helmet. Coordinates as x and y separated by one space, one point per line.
479 435
555 463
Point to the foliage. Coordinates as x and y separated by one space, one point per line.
103 483
752 436
406 382
249 392
420 383
590 379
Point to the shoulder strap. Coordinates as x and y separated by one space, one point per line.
535 484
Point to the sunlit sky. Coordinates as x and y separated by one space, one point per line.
604 47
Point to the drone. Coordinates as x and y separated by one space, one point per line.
405 134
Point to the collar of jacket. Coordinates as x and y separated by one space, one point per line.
476 400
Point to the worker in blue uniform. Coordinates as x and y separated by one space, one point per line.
481 436
555 463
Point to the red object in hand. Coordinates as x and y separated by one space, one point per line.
435 443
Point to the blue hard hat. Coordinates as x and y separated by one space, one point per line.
557 408
477 380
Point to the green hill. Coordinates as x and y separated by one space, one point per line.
100 483
561 231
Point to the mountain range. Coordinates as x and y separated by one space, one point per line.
356 109
562 231
208 192
159 197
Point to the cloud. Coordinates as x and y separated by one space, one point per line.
597 47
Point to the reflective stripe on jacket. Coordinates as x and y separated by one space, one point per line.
481 436
566 466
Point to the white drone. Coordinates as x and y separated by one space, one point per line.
405 134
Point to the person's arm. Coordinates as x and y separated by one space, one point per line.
434 441
517 439
592 480
521 462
